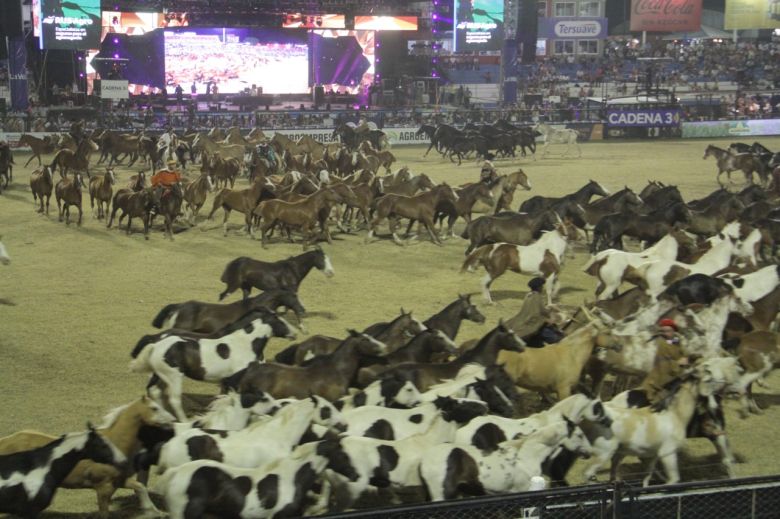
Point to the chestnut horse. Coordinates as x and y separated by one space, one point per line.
745 162
242 200
68 193
304 214
133 204
41 185
420 207
77 160
195 194
100 189
38 146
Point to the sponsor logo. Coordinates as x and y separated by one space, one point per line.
577 28
644 118
666 7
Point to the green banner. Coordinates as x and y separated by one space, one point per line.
731 128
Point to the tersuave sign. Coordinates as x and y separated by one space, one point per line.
586 28
666 15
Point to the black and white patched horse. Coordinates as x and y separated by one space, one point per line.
172 355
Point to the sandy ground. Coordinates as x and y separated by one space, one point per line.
81 297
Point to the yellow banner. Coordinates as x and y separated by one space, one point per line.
752 14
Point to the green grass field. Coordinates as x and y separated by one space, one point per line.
81 297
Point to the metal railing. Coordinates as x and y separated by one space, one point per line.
745 498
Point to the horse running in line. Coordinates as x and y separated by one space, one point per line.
100 189
246 273
542 258
552 135
68 193
41 185
745 162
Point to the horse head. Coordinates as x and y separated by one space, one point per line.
367 345
469 310
152 413
507 338
111 176
397 389
322 262
326 414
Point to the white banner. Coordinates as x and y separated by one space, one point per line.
114 89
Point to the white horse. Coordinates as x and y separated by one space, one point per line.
5 259
552 135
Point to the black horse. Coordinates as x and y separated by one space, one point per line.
246 273
582 196
6 165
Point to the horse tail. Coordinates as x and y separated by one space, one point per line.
476 257
141 354
163 315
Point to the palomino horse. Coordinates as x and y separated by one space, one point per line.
66 159
38 146
29 478
41 185
133 204
68 193
542 258
120 427
420 208
552 135
246 273
745 162
195 194
100 189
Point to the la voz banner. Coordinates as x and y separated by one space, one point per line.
583 28
644 118
666 15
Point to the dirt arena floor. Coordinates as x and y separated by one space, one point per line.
76 300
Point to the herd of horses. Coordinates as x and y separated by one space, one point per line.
401 410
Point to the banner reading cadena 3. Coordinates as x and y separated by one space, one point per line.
666 15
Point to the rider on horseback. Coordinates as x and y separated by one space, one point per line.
165 178
488 174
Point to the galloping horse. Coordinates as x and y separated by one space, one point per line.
195 194
68 193
38 146
66 159
745 162
100 189
552 135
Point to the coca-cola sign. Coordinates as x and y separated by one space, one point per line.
666 15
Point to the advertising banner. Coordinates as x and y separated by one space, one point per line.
114 89
666 15
644 118
71 25
730 128
591 28
752 14
17 70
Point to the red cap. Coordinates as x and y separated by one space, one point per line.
668 322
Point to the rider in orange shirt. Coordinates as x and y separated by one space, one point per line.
167 177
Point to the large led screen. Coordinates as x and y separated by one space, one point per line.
479 25
313 21
343 61
70 24
236 59
386 23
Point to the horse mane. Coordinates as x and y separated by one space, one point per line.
112 416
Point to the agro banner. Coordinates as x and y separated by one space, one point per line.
666 15
751 14
590 28
746 128
644 118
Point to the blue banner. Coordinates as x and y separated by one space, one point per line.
17 69
644 118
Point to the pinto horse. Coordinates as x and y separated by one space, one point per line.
246 273
120 427
542 258
420 207
30 478
173 355
745 162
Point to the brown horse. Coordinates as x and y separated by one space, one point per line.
195 194
38 146
745 162
133 205
77 160
6 165
167 200
68 193
121 426
385 157
365 194
242 200
223 170
467 197
304 214
328 376
137 182
115 145
100 189
420 182
41 185
420 208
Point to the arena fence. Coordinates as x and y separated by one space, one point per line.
745 498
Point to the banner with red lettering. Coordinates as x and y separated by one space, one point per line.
666 15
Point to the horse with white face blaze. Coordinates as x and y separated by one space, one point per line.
120 427
29 479
450 470
202 488
542 258
246 273
262 442
173 355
